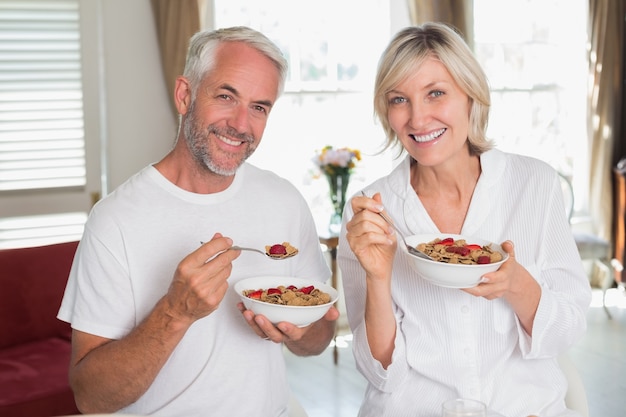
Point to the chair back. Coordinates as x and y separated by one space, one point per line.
576 397
295 408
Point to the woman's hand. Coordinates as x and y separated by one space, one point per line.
374 244
515 284
496 284
371 239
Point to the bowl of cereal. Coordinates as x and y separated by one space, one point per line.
458 261
298 301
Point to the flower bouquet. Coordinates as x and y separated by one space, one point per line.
337 166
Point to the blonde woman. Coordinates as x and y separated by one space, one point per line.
418 344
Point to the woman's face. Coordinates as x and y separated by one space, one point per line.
430 115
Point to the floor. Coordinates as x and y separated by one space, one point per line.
328 390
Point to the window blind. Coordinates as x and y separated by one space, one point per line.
41 109
16 232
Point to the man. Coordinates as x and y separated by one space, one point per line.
157 326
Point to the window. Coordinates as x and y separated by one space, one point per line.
534 54
41 111
322 54
41 230
535 61
333 49
46 165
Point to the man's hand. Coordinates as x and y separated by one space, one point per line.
200 281
302 341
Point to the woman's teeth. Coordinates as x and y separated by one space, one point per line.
429 137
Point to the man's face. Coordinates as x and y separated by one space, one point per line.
225 123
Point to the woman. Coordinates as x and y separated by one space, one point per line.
418 344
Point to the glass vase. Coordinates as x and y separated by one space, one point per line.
338 184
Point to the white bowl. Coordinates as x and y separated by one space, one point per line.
451 275
301 316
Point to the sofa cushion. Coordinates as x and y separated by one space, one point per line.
32 282
34 379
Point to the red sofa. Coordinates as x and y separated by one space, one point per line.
35 346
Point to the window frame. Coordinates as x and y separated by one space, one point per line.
55 200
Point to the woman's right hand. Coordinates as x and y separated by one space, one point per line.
373 242
371 239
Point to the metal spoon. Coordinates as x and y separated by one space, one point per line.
412 250
274 257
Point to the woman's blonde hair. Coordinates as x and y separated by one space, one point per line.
408 50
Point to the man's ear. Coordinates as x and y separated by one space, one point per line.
182 95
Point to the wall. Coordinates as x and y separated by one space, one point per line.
140 127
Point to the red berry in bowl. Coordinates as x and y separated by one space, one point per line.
483 259
255 294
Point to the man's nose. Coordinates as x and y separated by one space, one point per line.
239 119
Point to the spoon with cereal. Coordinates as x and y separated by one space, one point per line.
277 252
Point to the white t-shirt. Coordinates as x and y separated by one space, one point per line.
133 241
451 344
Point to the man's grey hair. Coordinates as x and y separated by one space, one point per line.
203 46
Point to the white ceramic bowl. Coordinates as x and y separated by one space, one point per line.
451 275
299 315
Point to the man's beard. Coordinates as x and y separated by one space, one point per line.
198 142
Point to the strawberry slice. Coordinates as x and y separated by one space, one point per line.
483 259
463 251
306 290
271 291
447 241
459 250
255 294
278 249
473 247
